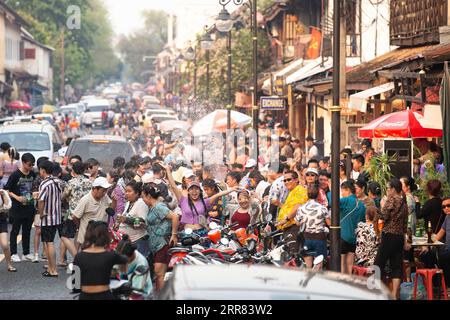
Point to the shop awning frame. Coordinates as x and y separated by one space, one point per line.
358 101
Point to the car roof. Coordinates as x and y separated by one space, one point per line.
70 106
102 137
159 110
42 126
189 280
98 102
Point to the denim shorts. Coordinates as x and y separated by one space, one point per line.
143 246
318 246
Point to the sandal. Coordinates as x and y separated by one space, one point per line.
12 269
49 275
62 265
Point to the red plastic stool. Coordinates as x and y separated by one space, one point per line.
428 275
361 271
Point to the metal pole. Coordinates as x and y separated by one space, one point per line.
229 83
195 73
207 74
335 144
255 75
63 67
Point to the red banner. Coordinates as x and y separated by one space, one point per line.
313 51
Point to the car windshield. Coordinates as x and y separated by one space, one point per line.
161 119
97 108
68 110
102 151
27 141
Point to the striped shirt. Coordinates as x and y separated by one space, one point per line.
50 191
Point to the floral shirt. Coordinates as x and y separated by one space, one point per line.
77 188
158 227
367 244
118 194
395 215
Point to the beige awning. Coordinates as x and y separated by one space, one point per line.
358 101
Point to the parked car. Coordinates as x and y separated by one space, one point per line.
245 282
147 100
37 137
151 112
104 148
76 108
96 107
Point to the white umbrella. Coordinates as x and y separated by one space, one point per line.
171 125
217 122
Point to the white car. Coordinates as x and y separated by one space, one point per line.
95 109
37 137
148 100
152 112
76 108
259 282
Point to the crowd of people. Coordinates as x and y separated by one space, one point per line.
139 207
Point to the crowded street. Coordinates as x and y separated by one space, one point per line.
223 150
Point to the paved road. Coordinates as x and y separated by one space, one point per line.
28 283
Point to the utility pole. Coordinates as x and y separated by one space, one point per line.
207 74
335 142
195 73
230 98
63 71
255 74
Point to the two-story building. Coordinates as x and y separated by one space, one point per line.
38 62
302 33
25 64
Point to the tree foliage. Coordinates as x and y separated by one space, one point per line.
148 41
242 65
89 54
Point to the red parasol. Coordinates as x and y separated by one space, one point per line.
402 124
18 105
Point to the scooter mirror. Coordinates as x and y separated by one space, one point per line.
188 231
302 227
318 260
213 226
224 241
251 244
269 218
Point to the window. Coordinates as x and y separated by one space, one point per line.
13 49
353 18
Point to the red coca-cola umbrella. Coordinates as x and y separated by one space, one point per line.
402 124
19 105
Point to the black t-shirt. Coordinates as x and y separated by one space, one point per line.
431 211
96 268
21 185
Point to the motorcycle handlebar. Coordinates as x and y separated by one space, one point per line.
274 233
231 226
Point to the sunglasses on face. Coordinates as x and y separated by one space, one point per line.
445 206
310 175
288 180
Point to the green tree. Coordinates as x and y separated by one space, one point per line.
242 67
148 41
88 51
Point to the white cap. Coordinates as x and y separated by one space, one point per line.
188 173
148 178
101 182
251 163
312 170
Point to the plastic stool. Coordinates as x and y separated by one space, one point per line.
428 275
361 271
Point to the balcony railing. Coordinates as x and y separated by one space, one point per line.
416 22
